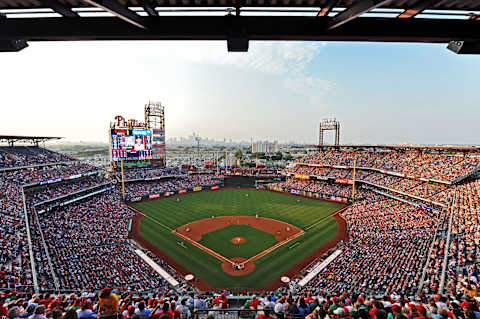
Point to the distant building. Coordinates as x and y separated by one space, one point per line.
265 147
230 159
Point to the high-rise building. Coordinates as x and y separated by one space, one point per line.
265 147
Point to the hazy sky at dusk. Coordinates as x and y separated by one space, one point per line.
381 93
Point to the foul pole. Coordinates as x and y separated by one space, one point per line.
123 180
353 184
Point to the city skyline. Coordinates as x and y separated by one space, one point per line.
381 93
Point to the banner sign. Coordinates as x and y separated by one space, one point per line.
50 181
136 164
182 191
214 187
197 188
302 176
153 196
294 191
135 199
344 181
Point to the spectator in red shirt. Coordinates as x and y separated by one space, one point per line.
3 309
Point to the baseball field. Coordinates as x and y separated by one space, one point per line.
237 238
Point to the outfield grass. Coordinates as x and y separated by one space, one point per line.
168 213
256 241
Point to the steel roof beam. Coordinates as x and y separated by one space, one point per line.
327 8
60 8
256 28
148 7
417 9
120 11
354 11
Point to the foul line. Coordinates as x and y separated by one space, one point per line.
269 250
325 217
198 245
155 220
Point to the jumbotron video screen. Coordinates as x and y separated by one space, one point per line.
131 144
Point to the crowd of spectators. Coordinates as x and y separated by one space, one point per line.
147 173
428 190
464 263
387 248
343 190
41 174
14 258
25 156
441 166
137 189
88 245
52 191
315 304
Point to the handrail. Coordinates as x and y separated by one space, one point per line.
45 247
30 248
447 246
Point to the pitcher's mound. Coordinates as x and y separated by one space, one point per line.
233 269
237 240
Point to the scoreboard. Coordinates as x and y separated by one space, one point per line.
130 144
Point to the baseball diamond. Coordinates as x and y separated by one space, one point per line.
268 225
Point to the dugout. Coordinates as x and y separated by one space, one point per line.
239 181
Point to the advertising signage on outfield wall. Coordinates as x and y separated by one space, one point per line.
197 189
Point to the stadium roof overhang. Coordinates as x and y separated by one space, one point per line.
456 22
11 139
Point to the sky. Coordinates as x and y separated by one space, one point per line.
382 93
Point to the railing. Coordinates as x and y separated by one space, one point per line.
45 248
438 229
30 247
447 245
16 168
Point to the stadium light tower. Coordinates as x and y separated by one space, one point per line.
330 124
197 138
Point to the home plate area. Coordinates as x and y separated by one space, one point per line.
238 241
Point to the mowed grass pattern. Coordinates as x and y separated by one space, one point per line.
301 212
256 241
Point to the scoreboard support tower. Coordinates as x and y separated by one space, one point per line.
330 124
155 121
